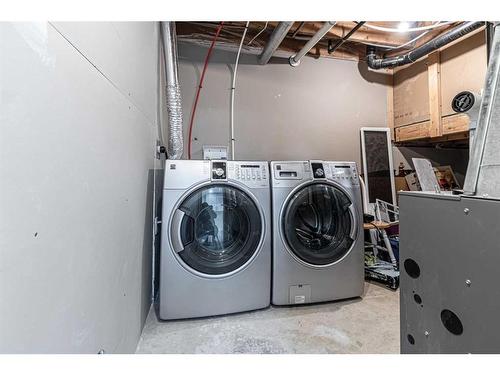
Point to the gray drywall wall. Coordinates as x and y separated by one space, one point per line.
78 115
313 111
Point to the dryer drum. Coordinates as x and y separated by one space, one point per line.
317 224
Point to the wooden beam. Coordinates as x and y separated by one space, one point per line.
434 77
363 35
195 32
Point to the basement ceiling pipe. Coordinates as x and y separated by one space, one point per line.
294 60
175 145
412 56
279 33
332 47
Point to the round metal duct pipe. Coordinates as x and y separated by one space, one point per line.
175 146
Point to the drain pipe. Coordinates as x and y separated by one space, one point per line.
294 60
412 56
279 33
175 145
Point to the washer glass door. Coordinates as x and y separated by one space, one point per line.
318 224
218 229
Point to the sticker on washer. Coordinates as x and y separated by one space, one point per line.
300 299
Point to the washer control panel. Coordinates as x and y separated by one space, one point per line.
292 173
251 173
344 172
219 170
290 170
318 170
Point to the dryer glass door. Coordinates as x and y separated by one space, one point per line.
318 224
218 229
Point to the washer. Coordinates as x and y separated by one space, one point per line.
216 244
317 232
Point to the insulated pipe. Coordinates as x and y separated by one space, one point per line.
294 60
175 146
279 33
412 56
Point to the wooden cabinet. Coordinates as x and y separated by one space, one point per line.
412 132
419 100
410 95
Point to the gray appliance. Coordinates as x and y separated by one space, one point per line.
449 248
450 256
317 232
216 238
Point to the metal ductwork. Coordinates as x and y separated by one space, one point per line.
175 146
483 172
279 33
412 56
294 60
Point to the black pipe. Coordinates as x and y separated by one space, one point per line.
412 56
490 31
334 46
298 29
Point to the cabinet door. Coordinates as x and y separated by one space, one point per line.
411 94
463 68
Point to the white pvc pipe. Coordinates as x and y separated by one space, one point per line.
233 88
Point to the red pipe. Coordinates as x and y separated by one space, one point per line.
200 85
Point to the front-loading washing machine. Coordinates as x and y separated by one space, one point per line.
317 232
216 238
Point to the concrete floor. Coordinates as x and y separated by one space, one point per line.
363 325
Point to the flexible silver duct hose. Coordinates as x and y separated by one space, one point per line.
175 146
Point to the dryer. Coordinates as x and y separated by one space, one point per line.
216 238
318 249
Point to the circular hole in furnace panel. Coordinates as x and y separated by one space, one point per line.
417 299
411 339
412 268
452 322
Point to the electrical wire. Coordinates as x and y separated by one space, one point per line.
395 30
408 42
233 88
383 46
207 57
412 40
260 32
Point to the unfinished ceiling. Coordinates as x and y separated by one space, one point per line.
370 33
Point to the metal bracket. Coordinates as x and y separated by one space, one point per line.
293 62
156 223
160 149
